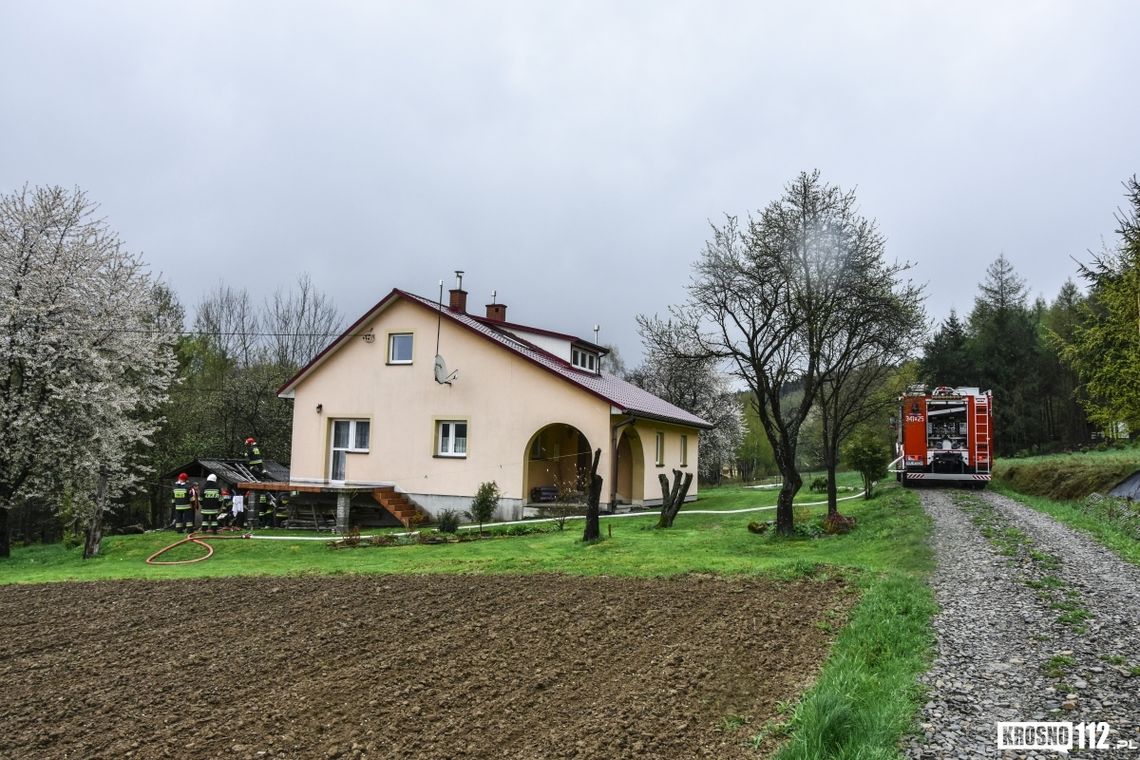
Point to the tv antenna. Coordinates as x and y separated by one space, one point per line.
442 376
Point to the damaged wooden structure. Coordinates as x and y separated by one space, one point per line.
316 507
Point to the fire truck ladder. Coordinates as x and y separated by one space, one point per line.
982 433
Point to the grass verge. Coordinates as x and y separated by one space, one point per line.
1071 514
868 694
1067 476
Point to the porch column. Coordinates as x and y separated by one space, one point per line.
343 504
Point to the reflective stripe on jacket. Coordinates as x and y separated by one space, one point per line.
181 496
211 499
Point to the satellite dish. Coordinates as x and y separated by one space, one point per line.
441 374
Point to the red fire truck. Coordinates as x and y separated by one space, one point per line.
944 435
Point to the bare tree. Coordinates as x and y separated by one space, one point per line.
672 499
883 324
613 362
246 354
299 323
593 530
86 356
765 301
231 327
697 386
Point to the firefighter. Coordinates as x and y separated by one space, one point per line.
226 517
253 458
281 511
265 511
183 500
211 503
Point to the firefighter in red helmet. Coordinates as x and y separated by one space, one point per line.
253 458
183 499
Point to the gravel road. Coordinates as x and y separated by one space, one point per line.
1037 622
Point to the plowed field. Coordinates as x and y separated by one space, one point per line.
405 666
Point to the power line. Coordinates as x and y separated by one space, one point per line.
211 333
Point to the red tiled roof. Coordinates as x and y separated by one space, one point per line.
626 396
513 326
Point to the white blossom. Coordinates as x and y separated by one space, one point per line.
86 351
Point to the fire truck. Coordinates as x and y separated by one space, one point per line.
944 435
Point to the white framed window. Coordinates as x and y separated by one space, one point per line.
451 438
584 359
400 348
660 452
684 451
348 437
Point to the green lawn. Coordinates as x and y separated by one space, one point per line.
696 543
866 696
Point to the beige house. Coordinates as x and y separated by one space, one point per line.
522 406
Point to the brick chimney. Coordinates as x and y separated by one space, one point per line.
458 300
497 312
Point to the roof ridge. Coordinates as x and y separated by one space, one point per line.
610 388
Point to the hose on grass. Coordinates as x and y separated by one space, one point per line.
192 538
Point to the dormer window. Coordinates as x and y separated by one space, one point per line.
583 359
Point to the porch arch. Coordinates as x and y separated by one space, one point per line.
557 457
630 468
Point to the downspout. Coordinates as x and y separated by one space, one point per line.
614 459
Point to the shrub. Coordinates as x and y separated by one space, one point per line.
866 453
837 523
819 484
1122 513
448 521
559 512
810 529
485 503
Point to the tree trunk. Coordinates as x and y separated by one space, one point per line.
5 538
785 454
672 499
593 530
785 517
94 539
832 499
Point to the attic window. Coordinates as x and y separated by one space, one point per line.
400 348
584 360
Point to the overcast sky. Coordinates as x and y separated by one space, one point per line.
569 155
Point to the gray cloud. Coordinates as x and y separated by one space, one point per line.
568 155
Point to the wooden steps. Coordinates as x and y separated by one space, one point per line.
399 506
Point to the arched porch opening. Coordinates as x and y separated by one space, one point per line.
557 465
630 468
